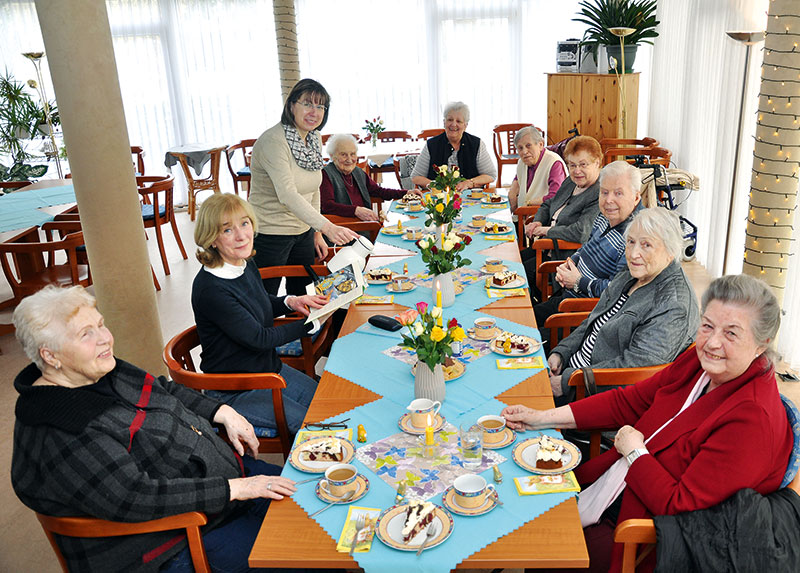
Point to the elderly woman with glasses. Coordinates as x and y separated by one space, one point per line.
286 174
98 437
708 425
455 147
346 190
541 170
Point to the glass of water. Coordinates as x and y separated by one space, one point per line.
471 436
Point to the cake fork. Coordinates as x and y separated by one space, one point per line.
430 533
361 523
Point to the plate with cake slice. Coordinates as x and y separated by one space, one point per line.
494 199
547 456
505 279
496 229
315 455
403 526
381 276
393 230
509 344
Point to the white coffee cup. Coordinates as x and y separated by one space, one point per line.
339 479
423 412
400 283
471 490
493 427
484 325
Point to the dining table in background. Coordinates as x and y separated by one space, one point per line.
554 539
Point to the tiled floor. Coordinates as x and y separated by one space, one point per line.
23 546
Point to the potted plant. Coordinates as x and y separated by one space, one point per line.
603 15
19 119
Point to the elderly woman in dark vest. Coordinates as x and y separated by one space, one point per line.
346 190
455 147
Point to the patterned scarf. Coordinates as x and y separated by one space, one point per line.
308 153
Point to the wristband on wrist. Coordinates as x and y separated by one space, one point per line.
632 455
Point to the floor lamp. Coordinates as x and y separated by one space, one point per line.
748 39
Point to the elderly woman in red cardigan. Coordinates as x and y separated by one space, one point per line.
708 425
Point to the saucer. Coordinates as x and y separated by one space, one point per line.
391 288
393 230
509 436
408 428
488 272
362 487
450 503
491 334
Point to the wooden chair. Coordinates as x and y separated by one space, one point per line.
609 377
30 264
523 213
311 349
11 186
562 323
178 358
91 527
428 133
403 167
655 155
210 183
157 211
241 175
388 165
609 142
545 268
138 153
504 149
577 304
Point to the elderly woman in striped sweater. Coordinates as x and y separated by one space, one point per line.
646 316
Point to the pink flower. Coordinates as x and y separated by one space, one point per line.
457 204
422 307
407 317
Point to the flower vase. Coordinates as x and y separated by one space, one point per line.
444 282
374 139
429 383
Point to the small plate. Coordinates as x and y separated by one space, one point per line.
362 487
405 424
391 288
516 283
315 467
509 436
449 501
486 201
455 371
377 281
524 456
393 230
492 233
390 523
488 272
492 333
497 348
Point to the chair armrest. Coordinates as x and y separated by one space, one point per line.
92 527
226 382
636 531
577 304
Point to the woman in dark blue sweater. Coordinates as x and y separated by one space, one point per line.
234 314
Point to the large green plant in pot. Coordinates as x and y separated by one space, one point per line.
20 116
602 15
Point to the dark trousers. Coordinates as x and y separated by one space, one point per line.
277 250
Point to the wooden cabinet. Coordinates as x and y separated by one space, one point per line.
593 104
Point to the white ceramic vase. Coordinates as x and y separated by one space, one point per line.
445 284
429 383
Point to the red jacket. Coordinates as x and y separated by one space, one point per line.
736 436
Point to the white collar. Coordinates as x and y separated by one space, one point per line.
227 271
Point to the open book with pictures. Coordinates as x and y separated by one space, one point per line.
342 287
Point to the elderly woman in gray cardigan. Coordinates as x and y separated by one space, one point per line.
647 315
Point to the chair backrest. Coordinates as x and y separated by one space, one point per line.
562 323
400 135
403 167
138 153
178 358
91 527
523 213
655 155
428 133
609 142
149 187
544 268
578 304
503 139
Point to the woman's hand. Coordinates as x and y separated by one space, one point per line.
273 487
465 184
555 386
567 274
339 235
555 363
416 191
628 439
520 417
531 228
540 231
320 246
366 214
240 431
301 303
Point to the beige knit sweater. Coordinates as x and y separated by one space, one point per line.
284 196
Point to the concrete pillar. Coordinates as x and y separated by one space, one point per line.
286 38
77 40
776 161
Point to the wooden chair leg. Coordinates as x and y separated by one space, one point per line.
177 235
155 280
162 252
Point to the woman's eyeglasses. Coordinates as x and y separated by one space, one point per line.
342 424
582 165
309 106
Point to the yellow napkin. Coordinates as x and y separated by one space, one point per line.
502 293
521 363
375 299
364 543
532 485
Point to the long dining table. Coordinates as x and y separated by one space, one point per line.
554 539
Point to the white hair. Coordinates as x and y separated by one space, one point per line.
625 170
525 132
456 107
336 140
661 224
41 318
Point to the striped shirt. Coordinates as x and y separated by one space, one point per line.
583 357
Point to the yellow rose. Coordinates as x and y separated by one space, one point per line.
437 334
443 169
439 207
458 334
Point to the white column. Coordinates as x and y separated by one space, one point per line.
286 37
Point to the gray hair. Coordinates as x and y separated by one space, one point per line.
755 295
525 132
336 140
41 318
663 225
456 107
626 170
